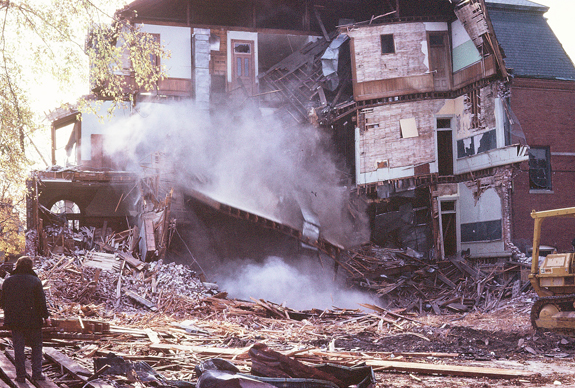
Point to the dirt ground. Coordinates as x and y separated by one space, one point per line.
502 338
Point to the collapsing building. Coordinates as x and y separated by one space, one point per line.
413 93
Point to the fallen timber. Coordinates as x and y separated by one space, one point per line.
330 248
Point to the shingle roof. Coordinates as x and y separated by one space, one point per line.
530 46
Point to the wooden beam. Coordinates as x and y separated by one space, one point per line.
449 370
323 30
206 350
39 383
67 363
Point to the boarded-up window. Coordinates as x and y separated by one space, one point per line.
408 128
387 44
540 168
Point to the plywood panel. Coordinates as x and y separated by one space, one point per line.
474 72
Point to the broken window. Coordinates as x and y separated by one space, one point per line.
387 44
436 40
540 168
481 231
444 147
242 48
69 210
444 123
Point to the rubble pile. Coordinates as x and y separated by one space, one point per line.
405 280
104 280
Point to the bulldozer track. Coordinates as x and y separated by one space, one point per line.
557 300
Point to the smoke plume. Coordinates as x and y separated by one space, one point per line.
258 164
251 162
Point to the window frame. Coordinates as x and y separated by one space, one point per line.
533 185
387 44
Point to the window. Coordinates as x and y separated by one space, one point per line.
70 210
154 59
436 40
443 123
242 48
540 168
387 44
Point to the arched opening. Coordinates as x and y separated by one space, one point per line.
70 210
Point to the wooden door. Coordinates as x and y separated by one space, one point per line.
243 71
440 60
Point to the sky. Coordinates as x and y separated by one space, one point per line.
560 18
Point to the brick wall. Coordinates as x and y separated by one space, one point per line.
546 111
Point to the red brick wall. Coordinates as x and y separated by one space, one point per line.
546 111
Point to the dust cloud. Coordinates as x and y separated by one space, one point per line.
300 284
245 160
259 164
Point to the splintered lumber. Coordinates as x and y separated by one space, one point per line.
205 350
131 260
101 260
386 311
152 335
449 370
8 371
365 355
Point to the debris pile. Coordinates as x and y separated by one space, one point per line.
106 281
404 279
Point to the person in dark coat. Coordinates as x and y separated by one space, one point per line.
25 311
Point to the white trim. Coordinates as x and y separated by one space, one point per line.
435 26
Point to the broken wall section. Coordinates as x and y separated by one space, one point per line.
390 60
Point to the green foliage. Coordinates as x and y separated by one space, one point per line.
123 61
41 39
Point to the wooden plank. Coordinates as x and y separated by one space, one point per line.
152 335
239 352
39 383
100 260
8 372
141 300
393 87
67 363
131 260
449 370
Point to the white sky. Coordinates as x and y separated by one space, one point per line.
561 19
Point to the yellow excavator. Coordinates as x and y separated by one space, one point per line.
553 281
